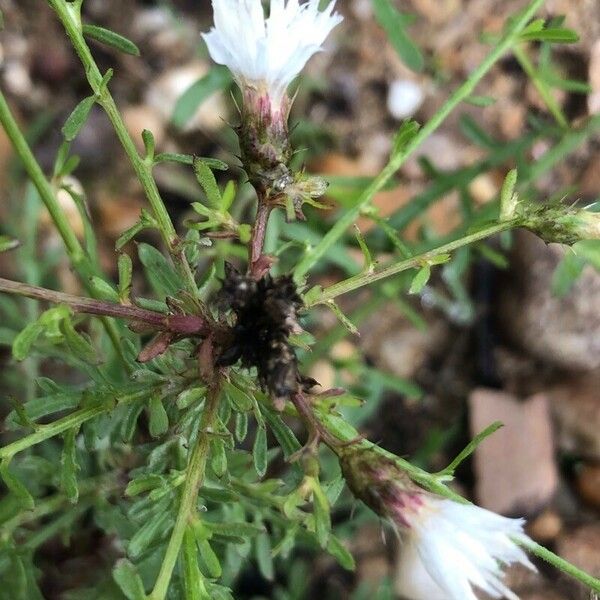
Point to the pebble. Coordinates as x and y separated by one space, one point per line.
588 484
515 468
405 97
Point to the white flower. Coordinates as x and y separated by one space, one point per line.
267 54
449 547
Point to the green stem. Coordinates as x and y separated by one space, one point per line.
46 432
540 86
561 564
79 259
75 419
363 279
71 21
45 189
189 496
398 159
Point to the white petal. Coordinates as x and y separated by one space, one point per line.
268 53
459 546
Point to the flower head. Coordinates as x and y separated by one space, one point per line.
448 547
266 54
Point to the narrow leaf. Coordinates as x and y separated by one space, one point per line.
420 280
127 578
16 487
69 466
394 23
159 421
110 38
77 118
218 78
260 451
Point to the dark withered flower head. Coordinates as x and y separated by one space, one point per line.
266 314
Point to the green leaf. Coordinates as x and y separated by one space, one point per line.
110 38
217 79
159 271
321 515
127 578
7 243
283 434
264 558
153 529
46 405
408 130
15 486
218 458
104 289
79 345
481 101
189 397
159 420
77 118
395 23
339 552
208 559
125 274
558 35
472 131
188 159
343 319
259 451
208 182
239 399
420 280
241 426
69 466
144 483
193 579
149 144
25 339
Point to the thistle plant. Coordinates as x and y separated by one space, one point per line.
172 440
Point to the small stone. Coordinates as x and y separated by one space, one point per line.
404 98
545 527
483 188
344 350
515 467
164 93
324 374
576 412
560 331
588 484
139 117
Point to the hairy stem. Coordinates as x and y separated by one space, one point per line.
353 283
75 419
259 232
398 159
561 564
71 21
194 477
181 324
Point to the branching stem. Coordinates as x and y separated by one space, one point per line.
71 21
399 158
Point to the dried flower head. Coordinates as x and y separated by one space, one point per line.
266 314
448 547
